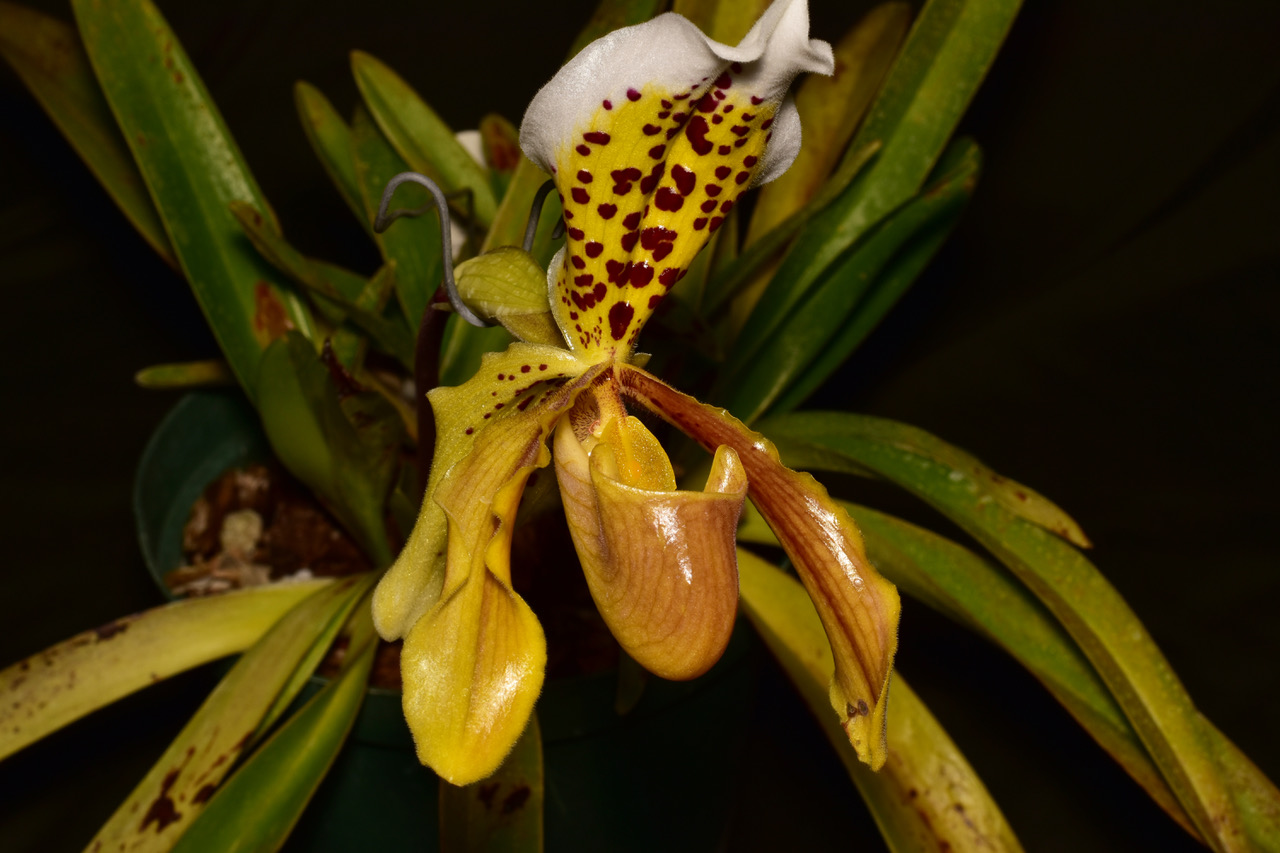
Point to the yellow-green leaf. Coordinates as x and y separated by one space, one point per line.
176 789
927 797
46 691
330 138
187 374
258 806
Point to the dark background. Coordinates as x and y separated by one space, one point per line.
1102 326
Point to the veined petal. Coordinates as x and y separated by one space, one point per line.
859 608
506 381
652 133
661 564
473 664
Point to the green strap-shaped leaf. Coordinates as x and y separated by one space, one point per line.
180 784
814 337
48 56
344 446
501 814
187 374
91 670
330 138
193 171
421 137
1091 610
945 58
258 806
985 597
927 796
341 290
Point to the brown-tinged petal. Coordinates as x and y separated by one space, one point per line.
473 664
859 609
660 563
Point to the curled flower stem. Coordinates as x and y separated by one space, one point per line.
385 218
535 213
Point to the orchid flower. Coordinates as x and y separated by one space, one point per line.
651 133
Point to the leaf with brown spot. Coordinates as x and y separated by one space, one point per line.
502 813
223 726
89 671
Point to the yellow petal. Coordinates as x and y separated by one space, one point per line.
660 564
859 608
473 664
504 382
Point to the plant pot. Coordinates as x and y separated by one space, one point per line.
656 778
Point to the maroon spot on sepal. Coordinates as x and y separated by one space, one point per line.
696 132
668 199
767 123
666 105
607 104
679 118
712 190
740 143
628 241
580 195
749 161
607 211
685 179
575 234
620 318
657 151
682 95
583 150
738 129
593 249
724 81
716 119
599 291
707 104
633 95
650 129
584 280
664 114
596 137
709 205
578 262
699 224
568 214
725 149
723 172
584 176
742 178
728 108
748 117
716 222
757 100
641 274
726 207
616 271
662 251
669 276
673 132
720 96
654 300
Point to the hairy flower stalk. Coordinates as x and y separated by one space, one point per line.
651 134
